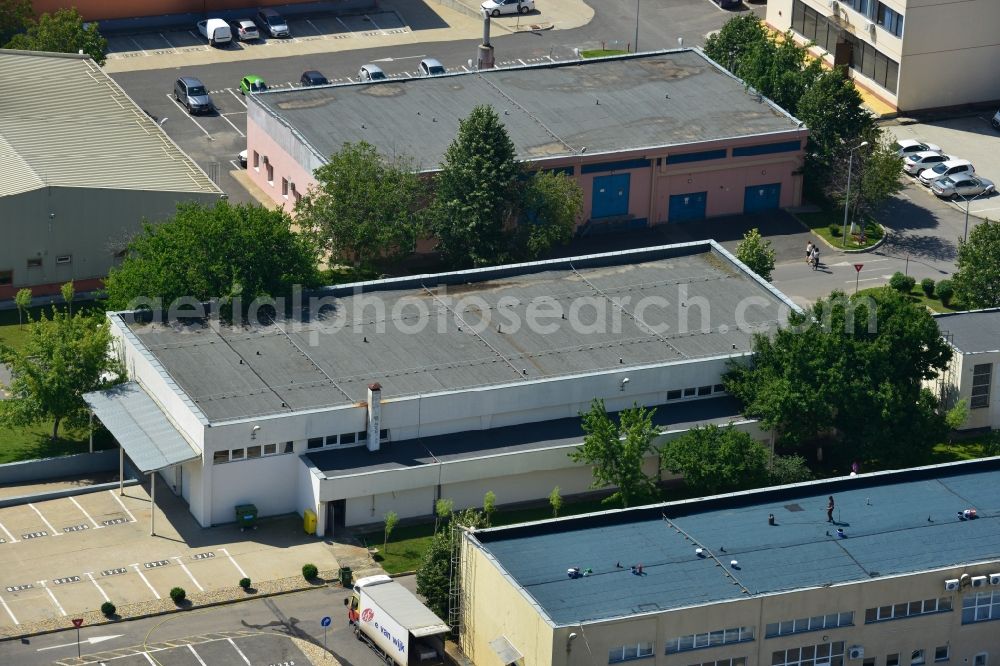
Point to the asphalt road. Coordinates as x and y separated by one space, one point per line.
296 615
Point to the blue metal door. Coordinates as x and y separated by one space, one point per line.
610 196
761 197
690 206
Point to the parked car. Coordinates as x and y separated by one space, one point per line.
963 185
371 73
252 83
313 78
729 4
996 120
245 30
216 31
271 22
909 146
431 67
928 176
914 163
498 7
191 92
242 158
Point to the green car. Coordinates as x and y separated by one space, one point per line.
252 83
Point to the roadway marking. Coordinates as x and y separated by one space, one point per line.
239 651
99 588
196 655
318 31
146 581
84 512
7 532
881 277
167 41
137 46
190 117
223 116
47 523
343 24
230 91
373 22
238 567
9 611
53 597
119 500
522 62
149 659
236 166
188 572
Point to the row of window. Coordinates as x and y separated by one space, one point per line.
907 609
831 654
816 623
982 379
879 13
629 652
695 392
250 452
343 439
917 657
741 151
981 607
287 188
7 276
735 661
710 639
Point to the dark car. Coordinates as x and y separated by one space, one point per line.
729 4
191 92
313 78
271 22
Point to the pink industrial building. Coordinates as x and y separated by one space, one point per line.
652 138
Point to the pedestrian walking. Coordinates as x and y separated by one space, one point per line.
829 510
815 257
809 251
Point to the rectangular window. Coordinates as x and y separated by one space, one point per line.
703 156
942 653
35 262
704 390
383 434
284 187
270 174
270 449
982 378
710 639
981 607
917 658
889 19
816 623
256 160
331 440
220 457
811 655
236 454
869 661
688 392
674 395
64 259
289 447
6 277
909 609
768 149
347 438
253 451
718 388
892 660
314 443
630 652
363 436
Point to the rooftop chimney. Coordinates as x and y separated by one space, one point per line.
374 415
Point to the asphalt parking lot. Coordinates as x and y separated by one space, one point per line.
231 647
971 138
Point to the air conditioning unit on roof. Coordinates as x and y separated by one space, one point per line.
995 579
856 652
951 584
870 26
979 581
834 5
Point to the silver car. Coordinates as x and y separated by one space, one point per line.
952 166
963 185
431 67
925 159
906 147
371 72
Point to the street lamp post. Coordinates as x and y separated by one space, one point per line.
968 202
847 199
637 2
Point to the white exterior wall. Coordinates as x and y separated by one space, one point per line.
271 483
406 504
963 366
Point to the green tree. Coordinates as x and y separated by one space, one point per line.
555 501
854 367
15 17
222 251
756 252
550 204
875 175
780 70
68 292
489 505
475 192
63 357
731 45
714 459
62 32
443 508
977 282
390 518
22 299
434 572
617 451
789 469
364 210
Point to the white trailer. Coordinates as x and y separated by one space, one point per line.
395 623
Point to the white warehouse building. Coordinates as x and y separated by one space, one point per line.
388 395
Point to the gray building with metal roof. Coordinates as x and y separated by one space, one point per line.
388 395
84 166
907 571
974 372
650 137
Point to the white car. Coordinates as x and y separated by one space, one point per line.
245 30
431 67
498 7
914 163
928 176
216 31
909 146
962 185
371 72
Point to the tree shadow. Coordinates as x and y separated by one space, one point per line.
901 214
919 246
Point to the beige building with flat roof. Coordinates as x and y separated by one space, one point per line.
913 54
760 578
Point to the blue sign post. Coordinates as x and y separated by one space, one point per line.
325 623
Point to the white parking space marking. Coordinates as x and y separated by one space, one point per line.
99 588
119 500
311 25
522 62
238 567
146 580
235 165
167 41
373 22
223 116
9 611
343 24
53 597
137 46
239 651
230 91
198 37
84 512
188 572
47 523
7 532
190 117
196 655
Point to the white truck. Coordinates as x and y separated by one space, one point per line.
395 623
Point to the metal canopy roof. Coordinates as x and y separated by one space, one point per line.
142 429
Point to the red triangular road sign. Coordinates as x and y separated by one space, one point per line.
858 267
78 622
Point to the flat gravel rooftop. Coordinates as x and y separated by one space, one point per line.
896 523
972 332
454 331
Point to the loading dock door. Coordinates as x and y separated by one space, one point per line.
761 197
690 206
610 197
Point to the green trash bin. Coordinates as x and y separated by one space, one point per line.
246 516
345 576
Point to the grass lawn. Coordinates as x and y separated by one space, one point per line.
954 452
600 53
820 223
918 297
31 443
14 334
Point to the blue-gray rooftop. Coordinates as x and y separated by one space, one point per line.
895 522
971 332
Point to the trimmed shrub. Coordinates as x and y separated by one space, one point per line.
945 292
108 608
902 283
309 571
835 230
927 286
245 583
178 594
